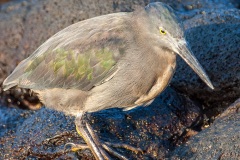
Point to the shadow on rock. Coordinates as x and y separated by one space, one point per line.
217 48
220 141
156 129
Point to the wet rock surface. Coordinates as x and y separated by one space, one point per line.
214 38
220 141
156 129
162 129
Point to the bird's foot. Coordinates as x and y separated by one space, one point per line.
75 147
125 146
97 147
106 146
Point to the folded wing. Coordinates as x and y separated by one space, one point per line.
80 56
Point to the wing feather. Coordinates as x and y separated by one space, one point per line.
80 56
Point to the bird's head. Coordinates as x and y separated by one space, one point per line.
169 32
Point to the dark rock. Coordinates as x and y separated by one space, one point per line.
3 1
213 33
156 129
236 3
10 118
220 141
28 136
26 24
214 38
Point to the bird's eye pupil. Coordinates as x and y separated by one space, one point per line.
162 31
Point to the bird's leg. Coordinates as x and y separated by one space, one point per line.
97 147
93 143
104 145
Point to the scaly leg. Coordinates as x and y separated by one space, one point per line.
93 143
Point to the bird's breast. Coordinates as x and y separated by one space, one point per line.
165 71
157 87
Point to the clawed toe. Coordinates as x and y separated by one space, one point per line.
106 146
114 153
126 146
75 147
97 147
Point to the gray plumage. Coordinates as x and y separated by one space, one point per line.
117 60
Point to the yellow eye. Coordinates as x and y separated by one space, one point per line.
162 31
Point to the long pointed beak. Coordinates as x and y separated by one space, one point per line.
185 52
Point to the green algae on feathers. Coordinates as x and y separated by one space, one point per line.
68 62
105 56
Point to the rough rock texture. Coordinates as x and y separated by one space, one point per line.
214 37
26 24
10 118
220 141
213 33
156 129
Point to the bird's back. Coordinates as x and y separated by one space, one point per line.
79 56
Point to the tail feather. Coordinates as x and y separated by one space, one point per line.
7 86
13 79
